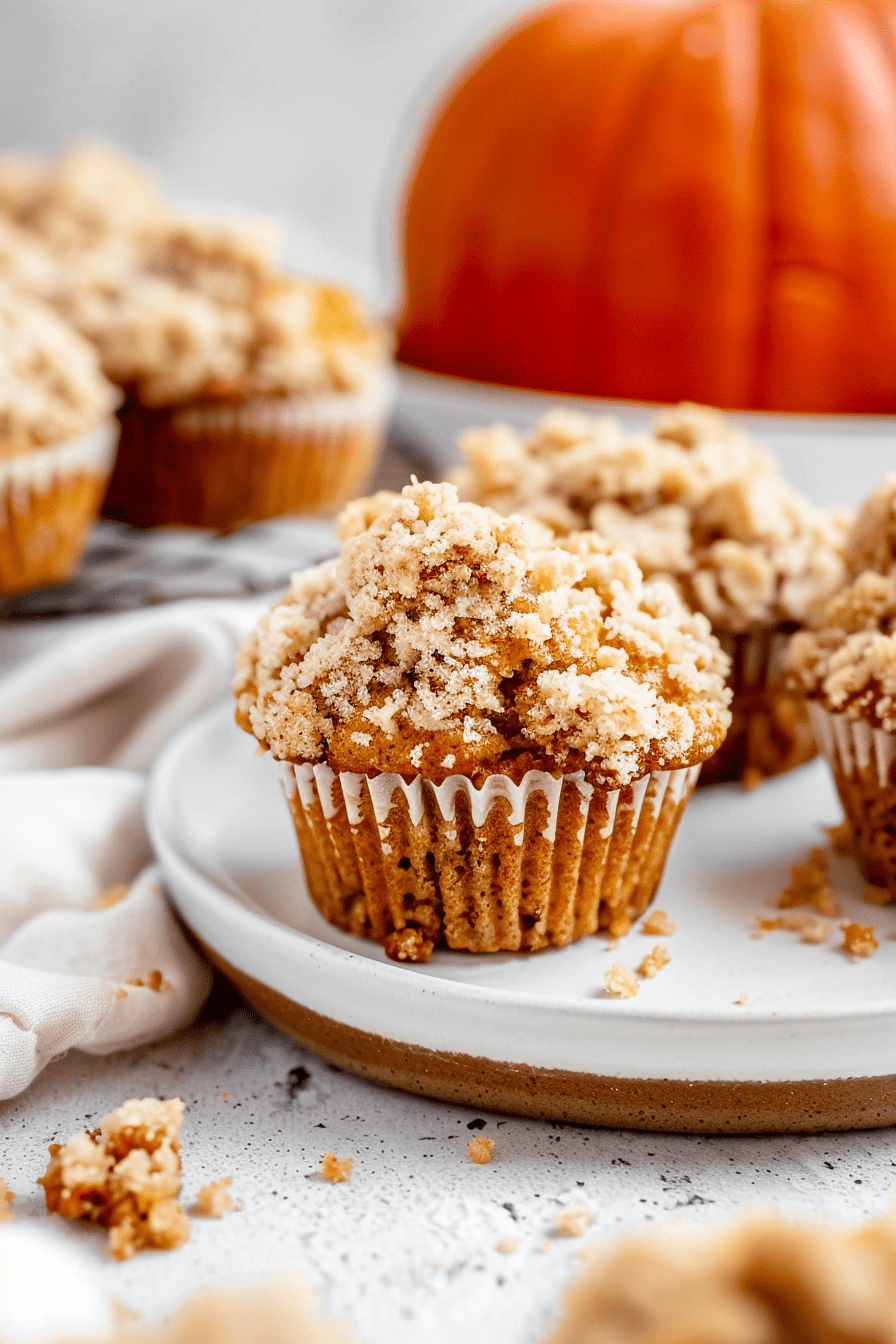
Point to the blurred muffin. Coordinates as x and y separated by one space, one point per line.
57 443
847 668
486 738
699 501
249 393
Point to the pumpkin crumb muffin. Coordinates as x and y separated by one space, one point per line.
124 1175
486 738
57 442
696 500
847 668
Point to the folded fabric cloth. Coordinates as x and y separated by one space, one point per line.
107 693
90 953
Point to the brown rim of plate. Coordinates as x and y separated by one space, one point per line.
653 1104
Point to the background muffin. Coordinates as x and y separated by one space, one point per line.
487 739
250 393
57 442
847 667
699 501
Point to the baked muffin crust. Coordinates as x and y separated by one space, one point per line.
447 639
696 499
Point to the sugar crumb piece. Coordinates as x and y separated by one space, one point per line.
6 1198
507 1245
334 1171
619 926
751 778
126 1176
111 896
572 1222
620 982
408 945
480 1149
214 1199
840 837
658 925
155 980
809 885
740 1000
612 944
810 929
859 939
225 1096
873 895
121 993
654 961
545 1246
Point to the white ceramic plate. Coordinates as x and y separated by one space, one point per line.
812 1016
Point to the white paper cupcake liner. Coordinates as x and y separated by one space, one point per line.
41 469
324 413
508 866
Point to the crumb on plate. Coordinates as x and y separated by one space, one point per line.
111 896
654 961
840 837
6 1198
154 980
620 982
809 885
658 925
507 1245
859 939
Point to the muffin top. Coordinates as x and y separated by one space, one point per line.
178 309
447 639
51 387
849 660
696 499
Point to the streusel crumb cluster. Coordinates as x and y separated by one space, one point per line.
51 388
850 660
177 309
696 499
447 639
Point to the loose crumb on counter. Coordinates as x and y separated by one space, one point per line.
654 961
740 1000
859 939
335 1171
658 925
809 885
620 982
126 1176
6 1198
214 1199
572 1222
480 1149
508 1245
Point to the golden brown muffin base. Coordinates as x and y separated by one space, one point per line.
495 886
176 467
870 808
770 731
43 531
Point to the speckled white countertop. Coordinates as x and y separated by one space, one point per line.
409 1248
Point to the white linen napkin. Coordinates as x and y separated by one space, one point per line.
104 693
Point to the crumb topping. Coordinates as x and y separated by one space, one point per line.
696 499
445 631
51 388
335 1171
859 940
480 1149
126 1176
810 885
848 660
6 1199
620 982
178 309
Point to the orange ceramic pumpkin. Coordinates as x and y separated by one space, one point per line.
666 201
